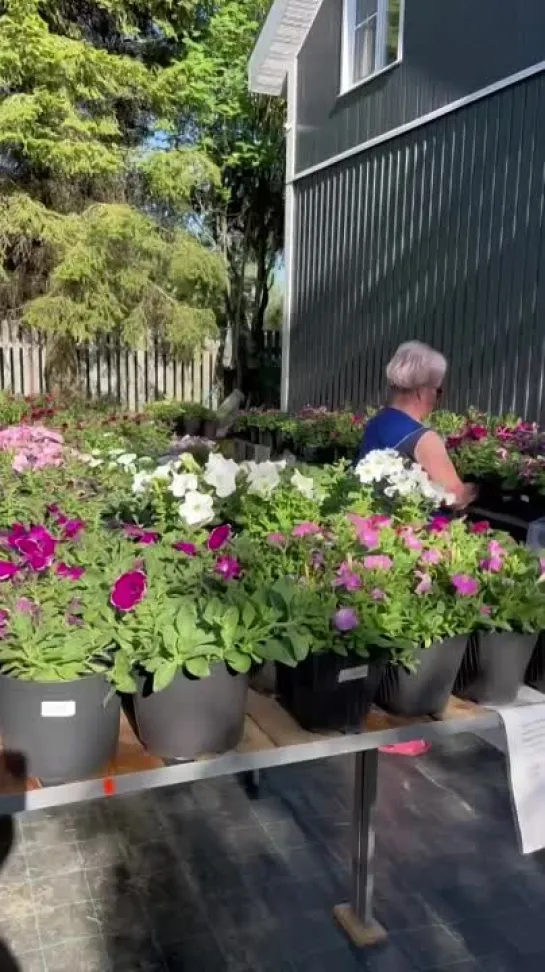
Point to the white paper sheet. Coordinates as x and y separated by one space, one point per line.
525 731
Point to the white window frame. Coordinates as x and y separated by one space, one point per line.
350 27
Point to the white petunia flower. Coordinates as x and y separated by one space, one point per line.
197 509
221 474
183 483
263 477
162 472
140 482
115 452
126 459
304 484
95 462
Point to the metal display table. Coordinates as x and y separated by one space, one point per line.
271 738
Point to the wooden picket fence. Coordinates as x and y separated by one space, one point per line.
131 378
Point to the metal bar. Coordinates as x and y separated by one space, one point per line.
363 837
54 796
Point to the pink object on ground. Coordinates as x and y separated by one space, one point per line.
414 748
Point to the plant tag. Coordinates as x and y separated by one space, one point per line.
58 710
353 674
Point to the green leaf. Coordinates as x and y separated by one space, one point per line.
198 667
238 661
164 675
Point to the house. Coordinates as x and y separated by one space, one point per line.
415 194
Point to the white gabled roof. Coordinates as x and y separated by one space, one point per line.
278 44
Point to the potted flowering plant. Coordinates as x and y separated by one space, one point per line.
512 615
57 707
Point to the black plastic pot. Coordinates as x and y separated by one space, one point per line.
210 428
425 691
494 666
193 717
535 674
193 426
63 730
328 691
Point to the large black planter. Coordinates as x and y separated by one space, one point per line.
494 666
193 717
535 674
62 730
193 426
329 692
425 691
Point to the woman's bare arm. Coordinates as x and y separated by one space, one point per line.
432 455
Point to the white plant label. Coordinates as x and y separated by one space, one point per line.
58 710
525 731
353 674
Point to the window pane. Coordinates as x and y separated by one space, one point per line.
364 50
365 9
392 30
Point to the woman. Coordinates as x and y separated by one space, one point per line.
415 377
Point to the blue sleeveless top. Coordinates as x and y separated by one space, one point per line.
391 429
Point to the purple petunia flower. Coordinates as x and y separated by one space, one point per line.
228 567
219 537
7 570
345 619
347 578
481 526
189 549
70 573
72 529
438 524
129 590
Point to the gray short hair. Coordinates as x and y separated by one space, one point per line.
415 365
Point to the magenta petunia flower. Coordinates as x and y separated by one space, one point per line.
431 557
380 521
495 549
71 573
410 540
146 537
218 537
438 524
228 567
306 529
36 545
72 529
276 539
465 586
366 531
424 585
477 432
189 549
345 619
129 590
377 562
481 526
7 570
493 565
347 578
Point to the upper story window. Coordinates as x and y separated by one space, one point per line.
371 39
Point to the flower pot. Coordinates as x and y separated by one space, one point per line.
328 691
494 666
425 691
535 674
265 438
193 717
63 730
210 429
193 426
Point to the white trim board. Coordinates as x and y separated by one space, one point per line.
491 89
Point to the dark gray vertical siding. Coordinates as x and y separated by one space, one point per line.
438 235
451 50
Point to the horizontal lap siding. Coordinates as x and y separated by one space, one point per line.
436 235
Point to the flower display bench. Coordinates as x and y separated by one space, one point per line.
271 738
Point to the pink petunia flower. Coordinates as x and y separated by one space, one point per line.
70 573
228 567
366 532
481 526
276 539
377 594
377 562
495 549
493 565
431 557
306 529
485 609
189 549
4 617
465 585
425 583
410 540
345 619
129 590
7 570
25 605
218 537
347 578
438 524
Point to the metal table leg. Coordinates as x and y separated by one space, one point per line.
250 782
357 917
